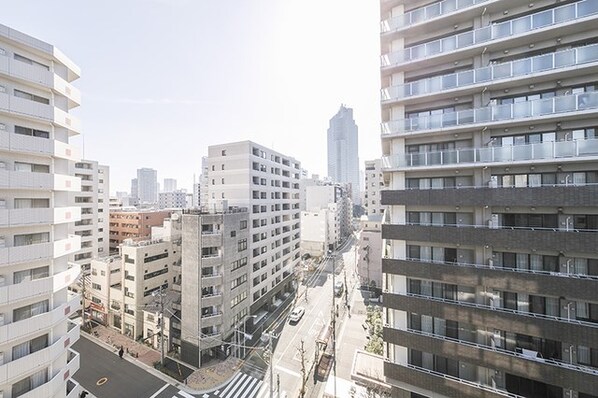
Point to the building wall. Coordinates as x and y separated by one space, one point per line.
37 215
315 232
374 184
133 224
369 262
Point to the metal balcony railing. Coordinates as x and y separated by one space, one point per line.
504 71
513 27
494 113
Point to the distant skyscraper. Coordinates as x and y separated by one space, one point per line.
169 185
147 185
134 190
343 159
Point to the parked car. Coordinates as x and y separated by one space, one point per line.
296 314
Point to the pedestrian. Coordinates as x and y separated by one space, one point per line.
83 394
121 352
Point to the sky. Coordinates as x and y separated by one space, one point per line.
161 80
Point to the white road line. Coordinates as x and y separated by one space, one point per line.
242 389
288 371
249 388
237 384
255 389
186 395
160 390
230 384
264 391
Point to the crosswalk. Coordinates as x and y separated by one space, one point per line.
241 386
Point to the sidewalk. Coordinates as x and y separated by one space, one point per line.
201 380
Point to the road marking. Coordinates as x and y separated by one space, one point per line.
289 371
230 384
186 395
101 381
237 384
160 390
256 388
241 390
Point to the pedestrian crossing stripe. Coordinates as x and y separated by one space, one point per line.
244 386
186 395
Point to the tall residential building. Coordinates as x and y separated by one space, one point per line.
94 200
133 224
343 156
245 174
215 293
374 183
134 188
203 183
169 185
147 185
173 200
490 117
36 215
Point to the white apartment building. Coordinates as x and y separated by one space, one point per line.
120 286
94 200
374 183
246 174
318 229
170 185
335 198
36 215
172 200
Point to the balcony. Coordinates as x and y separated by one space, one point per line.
36 110
211 280
67 246
492 116
485 316
40 76
579 378
522 28
210 340
11 294
15 370
546 239
38 216
58 382
212 319
543 283
507 73
20 254
543 152
546 195
424 14
211 300
46 181
46 321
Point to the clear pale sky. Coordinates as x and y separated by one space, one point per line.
164 79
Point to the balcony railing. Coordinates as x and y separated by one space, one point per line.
548 361
517 26
493 73
499 309
211 315
502 268
494 114
58 381
507 154
423 14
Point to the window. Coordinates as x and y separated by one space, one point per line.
31 97
242 244
96 286
29 311
233 234
29 383
32 167
33 203
243 224
31 274
30 61
31 239
29 347
31 132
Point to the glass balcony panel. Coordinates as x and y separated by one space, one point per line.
465 39
564 103
521 152
449 81
466 77
434 122
587 54
543 150
483 34
417 52
466 155
564 58
434 84
418 15
433 10
541 19
450 157
521 25
585 8
482 115
465 117
449 43
542 107
417 159
588 147
522 67
502 71
522 109
502 29
566 13
501 154
433 47
450 5
542 62
565 149
587 100
466 3
502 112
407 90
418 87
449 119
483 74
434 158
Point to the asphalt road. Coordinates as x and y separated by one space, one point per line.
123 379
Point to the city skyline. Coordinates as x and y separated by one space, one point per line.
165 82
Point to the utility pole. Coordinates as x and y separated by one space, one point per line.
83 299
271 364
346 290
161 320
333 315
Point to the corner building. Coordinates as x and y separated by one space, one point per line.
489 136
36 181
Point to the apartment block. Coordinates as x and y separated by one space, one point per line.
374 183
145 186
266 182
94 201
36 216
133 224
490 111
369 260
173 200
215 299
